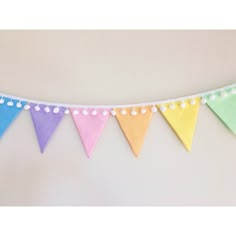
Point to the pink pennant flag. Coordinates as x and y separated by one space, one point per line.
90 124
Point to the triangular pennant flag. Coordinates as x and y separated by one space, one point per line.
134 122
9 110
90 124
45 120
224 107
182 117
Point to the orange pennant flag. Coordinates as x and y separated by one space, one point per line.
134 123
182 117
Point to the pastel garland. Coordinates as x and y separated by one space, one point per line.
90 120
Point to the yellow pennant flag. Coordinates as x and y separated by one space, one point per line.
182 117
134 123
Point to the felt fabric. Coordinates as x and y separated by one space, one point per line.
8 114
90 126
45 123
134 127
182 120
225 109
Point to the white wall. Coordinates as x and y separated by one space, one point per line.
117 67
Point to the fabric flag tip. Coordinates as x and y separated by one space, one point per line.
89 151
188 146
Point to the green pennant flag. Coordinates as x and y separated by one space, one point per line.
224 106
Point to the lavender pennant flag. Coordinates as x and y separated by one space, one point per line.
45 120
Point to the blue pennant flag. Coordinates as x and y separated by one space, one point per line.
9 110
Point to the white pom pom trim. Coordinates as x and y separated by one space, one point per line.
56 110
2 101
123 112
192 101
27 107
163 108
85 112
233 91
133 112
143 110
10 104
37 108
223 94
154 109
203 101
172 106
47 109
67 112
94 113
75 112
18 105
212 97
105 113
113 112
183 105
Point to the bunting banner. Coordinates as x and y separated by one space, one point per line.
134 119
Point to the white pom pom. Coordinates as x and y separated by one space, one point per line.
123 112
154 109
192 101
47 109
18 105
183 105
105 113
113 112
143 110
233 91
67 112
56 110
94 113
223 94
212 97
172 106
75 112
27 107
37 108
203 101
133 112
85 112
2 101
10 104
162 108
